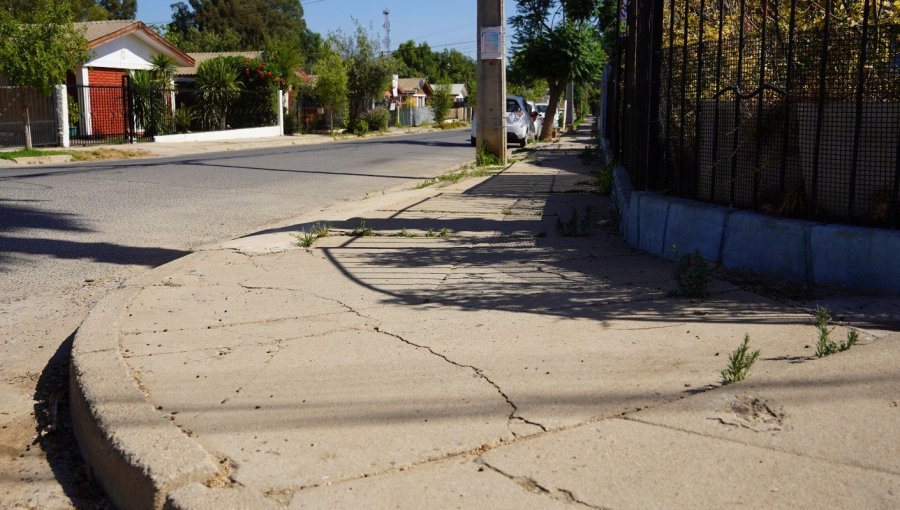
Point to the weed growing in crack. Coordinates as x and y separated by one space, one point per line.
739 363
305 239
405 233
825 346
321 230
692 275
603 180
362 230
445 233
430 233
506 211
576 226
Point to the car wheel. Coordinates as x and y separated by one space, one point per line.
523 142
472 141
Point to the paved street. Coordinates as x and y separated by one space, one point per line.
71 233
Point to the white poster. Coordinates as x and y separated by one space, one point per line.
491 43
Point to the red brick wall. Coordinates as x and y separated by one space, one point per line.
107 113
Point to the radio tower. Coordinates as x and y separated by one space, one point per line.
387 31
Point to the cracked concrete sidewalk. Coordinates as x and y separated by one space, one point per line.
501 366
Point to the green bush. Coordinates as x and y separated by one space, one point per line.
183 118
692 276
360 127
377 119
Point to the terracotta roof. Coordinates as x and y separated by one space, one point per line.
99 33
203 57
308 78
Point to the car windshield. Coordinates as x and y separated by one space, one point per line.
512 105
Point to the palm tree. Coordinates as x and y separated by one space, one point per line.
217 88
150 89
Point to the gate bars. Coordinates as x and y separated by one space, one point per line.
786 107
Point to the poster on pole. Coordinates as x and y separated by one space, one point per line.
491 43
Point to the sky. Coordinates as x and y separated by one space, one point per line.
441 24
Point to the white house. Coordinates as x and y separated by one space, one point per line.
117 48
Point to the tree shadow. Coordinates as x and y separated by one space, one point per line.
94 251
13 218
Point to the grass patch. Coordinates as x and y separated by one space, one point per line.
405 233
321 230
31 153
603 180
464 171
453 125
826 346
485 158
305 239
739 363
77 155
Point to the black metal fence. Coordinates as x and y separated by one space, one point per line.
21 105
101 114
789 108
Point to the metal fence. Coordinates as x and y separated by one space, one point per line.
128 114
18 102
787 108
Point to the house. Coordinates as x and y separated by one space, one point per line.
117 48
460 94
414 91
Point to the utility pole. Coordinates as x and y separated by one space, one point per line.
491 109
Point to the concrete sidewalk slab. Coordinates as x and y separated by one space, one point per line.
473 369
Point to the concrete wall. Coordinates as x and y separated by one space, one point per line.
230 134
841 256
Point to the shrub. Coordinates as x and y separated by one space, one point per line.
692 276
377 119
825 346
360 127
183 118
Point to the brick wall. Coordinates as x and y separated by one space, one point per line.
107 110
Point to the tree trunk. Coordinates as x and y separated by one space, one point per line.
28 143
555 93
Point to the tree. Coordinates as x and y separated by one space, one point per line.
331 83
39 50
557 47
82 10
251 22
449 66
119 9
441 102
287 57
368 73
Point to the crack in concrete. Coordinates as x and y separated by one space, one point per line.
278 347
479 372
531 485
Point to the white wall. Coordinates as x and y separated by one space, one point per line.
123 53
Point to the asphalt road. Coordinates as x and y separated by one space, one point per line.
68 234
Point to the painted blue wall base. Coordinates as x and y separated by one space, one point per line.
841 256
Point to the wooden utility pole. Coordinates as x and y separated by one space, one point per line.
491 109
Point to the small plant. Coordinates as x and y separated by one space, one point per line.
484 158
576 226
426 183
321 230
444 233
692 275
377 119
362 230
405 233
183 119
430 233
603 180
305 239
506 211
825 346
739 363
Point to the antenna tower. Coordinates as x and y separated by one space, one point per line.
387 31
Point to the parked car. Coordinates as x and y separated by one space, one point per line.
542 113
520 128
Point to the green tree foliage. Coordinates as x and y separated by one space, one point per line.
368 73
151 93
81 10
237 25
331 83
119 9
557 46
39 48
287 57
441 102
450 66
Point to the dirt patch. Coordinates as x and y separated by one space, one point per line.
751 413
101 154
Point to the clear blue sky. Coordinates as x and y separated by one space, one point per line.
442 24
